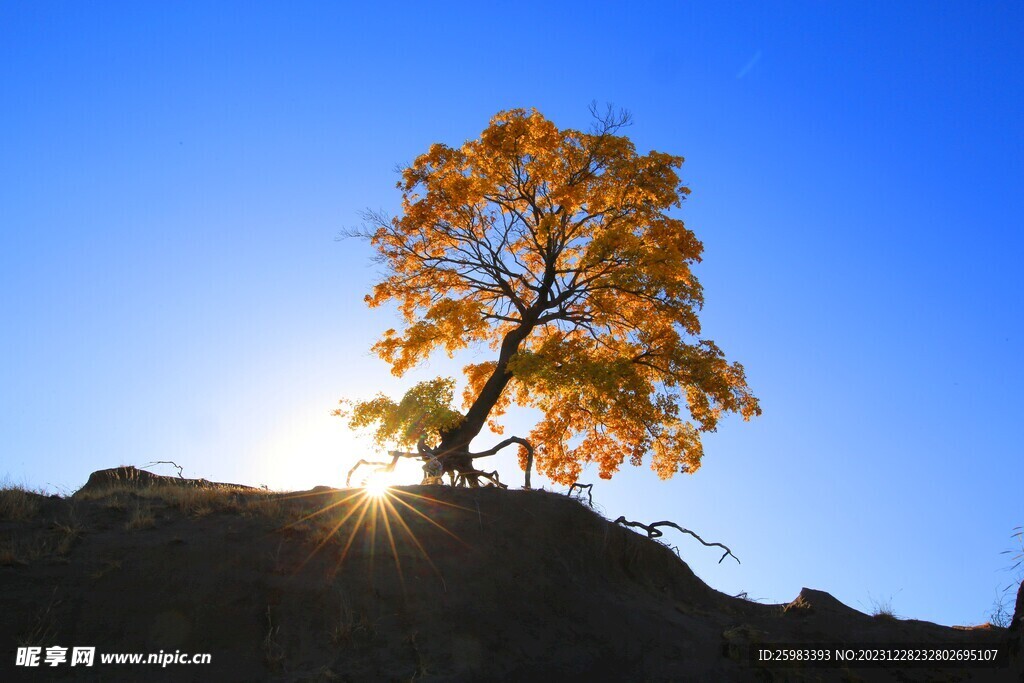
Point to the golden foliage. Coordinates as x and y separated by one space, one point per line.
424 412
556 249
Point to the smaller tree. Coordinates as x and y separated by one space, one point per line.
556 249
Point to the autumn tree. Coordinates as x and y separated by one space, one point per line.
556 249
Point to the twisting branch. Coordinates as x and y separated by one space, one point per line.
380 467
526 445
654 532
181 474
588 487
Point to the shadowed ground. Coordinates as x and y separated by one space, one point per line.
425 583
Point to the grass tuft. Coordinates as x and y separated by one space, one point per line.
140 518
43 630
883 609
67 533
273 652
18 503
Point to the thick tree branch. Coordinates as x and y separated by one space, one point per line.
527 446
379 467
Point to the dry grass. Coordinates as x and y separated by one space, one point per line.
19 552
18 503
271 506
43 630
883 609
324 673
344 625
195 501
421 662
39 544
66 535
350 625
273 652
119 501
140 518
104 569
1002 610
114 491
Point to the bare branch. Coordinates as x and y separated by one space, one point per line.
610 120
653 532
380 467
168 462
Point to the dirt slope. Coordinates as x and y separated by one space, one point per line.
429 583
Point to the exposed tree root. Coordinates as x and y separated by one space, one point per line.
588 487
653 532
379 467
458 466
523 443
472 478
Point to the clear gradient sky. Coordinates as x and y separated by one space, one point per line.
173 177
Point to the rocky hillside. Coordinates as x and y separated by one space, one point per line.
423 583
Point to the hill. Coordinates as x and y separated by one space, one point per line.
427 583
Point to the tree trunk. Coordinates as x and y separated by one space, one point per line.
454 448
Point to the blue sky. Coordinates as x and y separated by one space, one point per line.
172 180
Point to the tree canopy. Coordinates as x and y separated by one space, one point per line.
556 249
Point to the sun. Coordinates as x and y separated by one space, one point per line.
376 486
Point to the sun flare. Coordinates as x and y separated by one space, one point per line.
376 486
